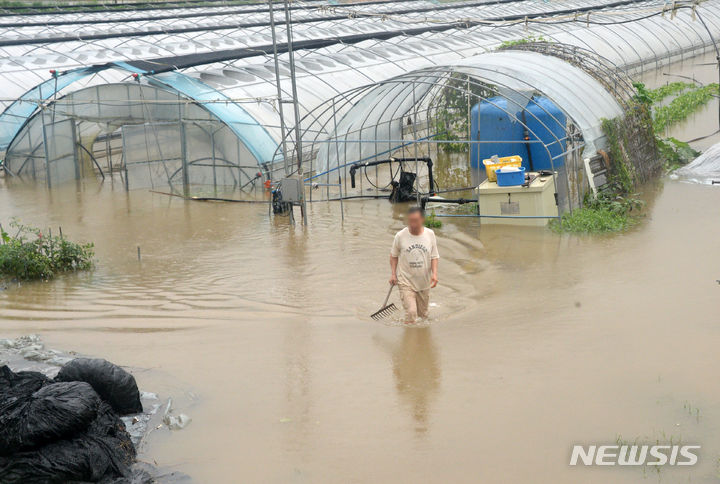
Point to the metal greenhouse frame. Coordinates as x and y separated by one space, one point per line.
362 126
234 93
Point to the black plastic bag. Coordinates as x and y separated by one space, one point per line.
22 383
55 411
114 385
103 452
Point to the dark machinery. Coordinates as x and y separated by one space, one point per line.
403 189
279 206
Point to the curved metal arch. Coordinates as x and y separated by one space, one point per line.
256 138
433 71
481 81
433 68
625 44
416 102
667 26
703 43
649 46
429 73
601 68
346 96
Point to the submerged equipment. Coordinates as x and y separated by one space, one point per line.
279 206
403 190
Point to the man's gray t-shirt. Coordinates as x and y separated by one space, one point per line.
414 253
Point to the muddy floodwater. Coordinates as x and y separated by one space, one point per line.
259 330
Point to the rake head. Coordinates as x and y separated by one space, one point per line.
384 311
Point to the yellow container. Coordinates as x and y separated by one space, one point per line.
490 167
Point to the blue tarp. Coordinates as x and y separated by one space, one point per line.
249 131
16 115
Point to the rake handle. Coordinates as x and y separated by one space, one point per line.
387 298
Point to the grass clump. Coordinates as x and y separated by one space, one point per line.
432 222
608 212
30 254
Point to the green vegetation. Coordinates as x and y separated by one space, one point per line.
30 254
608 212
690 97
683 106
633 148
431 221
622 172
632 154
525 40
642 94
675 152
670 89
452 105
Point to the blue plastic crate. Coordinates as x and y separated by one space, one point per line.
510 178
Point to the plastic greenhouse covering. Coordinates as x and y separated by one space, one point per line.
328 72
375 115
29 52
226 113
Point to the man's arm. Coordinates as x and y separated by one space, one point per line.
393 270
434 258
434 269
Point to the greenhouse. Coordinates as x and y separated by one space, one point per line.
198 122
29 52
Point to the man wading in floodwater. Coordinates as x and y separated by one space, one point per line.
414 264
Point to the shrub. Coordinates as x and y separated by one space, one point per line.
29 254
608 212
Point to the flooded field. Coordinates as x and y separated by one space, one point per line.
260 331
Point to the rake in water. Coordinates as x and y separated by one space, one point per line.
386 309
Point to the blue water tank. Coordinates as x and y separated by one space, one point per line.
490 121
546 122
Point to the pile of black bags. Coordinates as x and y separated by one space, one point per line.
67 429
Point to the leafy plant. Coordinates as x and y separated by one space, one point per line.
620 170
669 89
607 212
675 152
643 95
431 221
29 254
683 106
